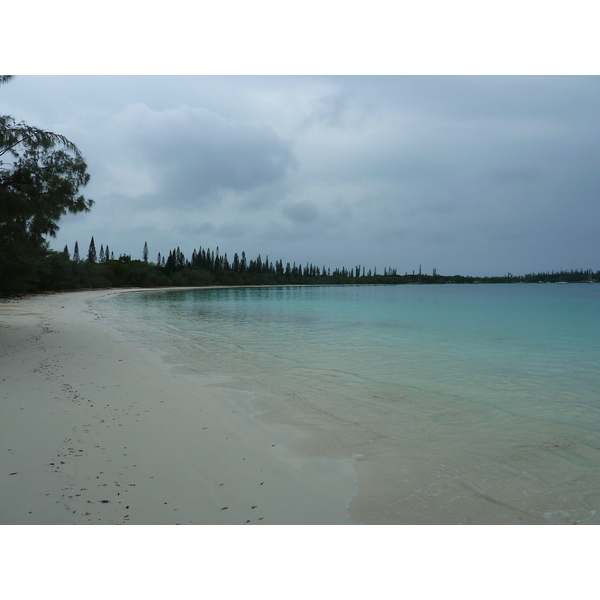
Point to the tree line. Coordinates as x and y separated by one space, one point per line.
41 175
99 268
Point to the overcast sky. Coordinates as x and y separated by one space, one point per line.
476 175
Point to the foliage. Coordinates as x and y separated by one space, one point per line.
206 267
41 174
92 257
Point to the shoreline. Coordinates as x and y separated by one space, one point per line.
96 430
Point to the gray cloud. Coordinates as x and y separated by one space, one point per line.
303 213
465 174
232 230
194 155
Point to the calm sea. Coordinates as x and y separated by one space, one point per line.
458 403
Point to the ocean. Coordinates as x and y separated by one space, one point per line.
458 404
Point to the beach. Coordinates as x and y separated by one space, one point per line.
240 406
97 430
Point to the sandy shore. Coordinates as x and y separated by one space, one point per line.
95 430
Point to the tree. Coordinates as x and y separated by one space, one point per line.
41 182
171 263
41 174
76 253
145 252
92 257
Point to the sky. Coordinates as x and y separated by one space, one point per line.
478 175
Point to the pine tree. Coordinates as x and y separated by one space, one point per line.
101 255
145 252
76 253
171 262
92 257
66 251
179 258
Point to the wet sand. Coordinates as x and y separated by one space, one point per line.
95 430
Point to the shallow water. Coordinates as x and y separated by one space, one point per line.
458 403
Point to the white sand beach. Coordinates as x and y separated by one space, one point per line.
95 430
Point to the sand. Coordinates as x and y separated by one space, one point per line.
96 430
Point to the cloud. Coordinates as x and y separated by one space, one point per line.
232 230
195 229
190 156
468 173
303 213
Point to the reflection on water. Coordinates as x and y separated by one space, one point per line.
458 403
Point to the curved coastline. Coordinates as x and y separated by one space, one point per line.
99 426
97 430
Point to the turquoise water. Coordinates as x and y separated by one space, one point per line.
458 403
